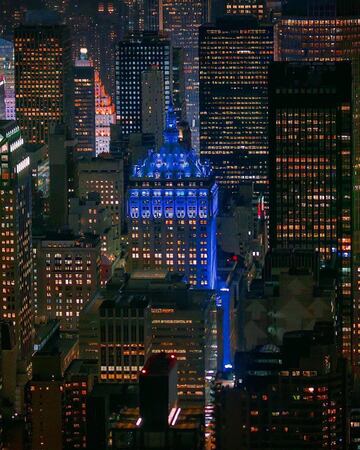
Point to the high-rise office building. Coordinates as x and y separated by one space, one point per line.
153 103
89 216
153 20
61 150
318 31
103 404
321 8
182 322
158 421
84 105
234 58
178 87
296 291
12 12
182 19
15 237
172 208
43 78
98 26
330 31
79 380
57 5
123 332
45 391
104 175
68 275
132 16
136 54
254 7
104 116
311 169
7 371
2 98
7 71
296 396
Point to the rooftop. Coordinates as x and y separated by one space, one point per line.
172 161
158 364
68 239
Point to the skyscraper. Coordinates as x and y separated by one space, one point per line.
136 54
42 75
7 70
181 321
104 175
98 26
172 208
182 19
88 215
254 7
283 396
234 58
84 105
45 391
153 20
68 275
2 98
122 353
324 30
11 15
15 237
178 88
157 421
318 31
78 383
310 169
153 103
104 116
321 8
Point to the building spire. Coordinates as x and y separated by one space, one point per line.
171 133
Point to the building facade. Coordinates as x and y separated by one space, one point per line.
183 322
43 81
182 19
254 7
303 33
234 57
89 216
136 54
123 334
153 104
84 105
310 168
104 175
104 116
68 275
293 397
15 236
45 391
7 70
171 210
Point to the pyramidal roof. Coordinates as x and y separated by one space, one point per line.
171 161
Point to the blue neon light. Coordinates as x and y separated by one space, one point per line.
165 201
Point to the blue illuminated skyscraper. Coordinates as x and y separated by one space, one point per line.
172 208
